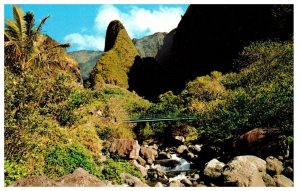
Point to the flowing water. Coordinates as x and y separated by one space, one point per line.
175 173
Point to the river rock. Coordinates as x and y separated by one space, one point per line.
80 178
179 138
245 171
269 181
139 167
172 163
259 142
289 172
196 176
164 155
154 146
159 184
141 161
34 181
195 148
176 183
181 149
214 169
283 181
156 174
186 182
149 154
274 166
125 147
132 180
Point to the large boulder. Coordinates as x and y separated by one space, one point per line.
245 171
80 178
34 181
132 180
125 147
269 181
283 181
274 166
260 142
139 167
214 169
159 184
149 154
176 183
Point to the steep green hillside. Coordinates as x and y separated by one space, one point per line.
87 60
52 124
120 54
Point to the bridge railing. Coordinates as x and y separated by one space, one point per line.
160 117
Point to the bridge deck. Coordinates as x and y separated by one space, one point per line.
158 119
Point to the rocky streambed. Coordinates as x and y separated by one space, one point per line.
188 165
182 166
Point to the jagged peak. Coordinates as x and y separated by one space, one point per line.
112 32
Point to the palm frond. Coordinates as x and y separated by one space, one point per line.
11 29
20 22
29 20
64 45
39 28
8 43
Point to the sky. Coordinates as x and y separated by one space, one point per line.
84 26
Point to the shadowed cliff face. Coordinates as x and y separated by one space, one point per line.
209 37
116 61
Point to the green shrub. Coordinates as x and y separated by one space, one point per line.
66 116
65 159
77 98
147 131
13 171
112 170
260 95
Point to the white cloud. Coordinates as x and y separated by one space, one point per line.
85 42
137 21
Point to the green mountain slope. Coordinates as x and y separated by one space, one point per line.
87 59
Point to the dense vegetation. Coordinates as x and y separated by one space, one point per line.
259 95
209 37
52 124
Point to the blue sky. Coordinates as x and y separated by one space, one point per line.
85 25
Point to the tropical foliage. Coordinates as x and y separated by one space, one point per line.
260 94
23 41
54 125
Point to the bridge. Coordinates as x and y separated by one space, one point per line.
159 117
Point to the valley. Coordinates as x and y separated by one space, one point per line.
208 104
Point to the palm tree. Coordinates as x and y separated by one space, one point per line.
23 41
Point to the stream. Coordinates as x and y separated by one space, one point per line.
175 168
